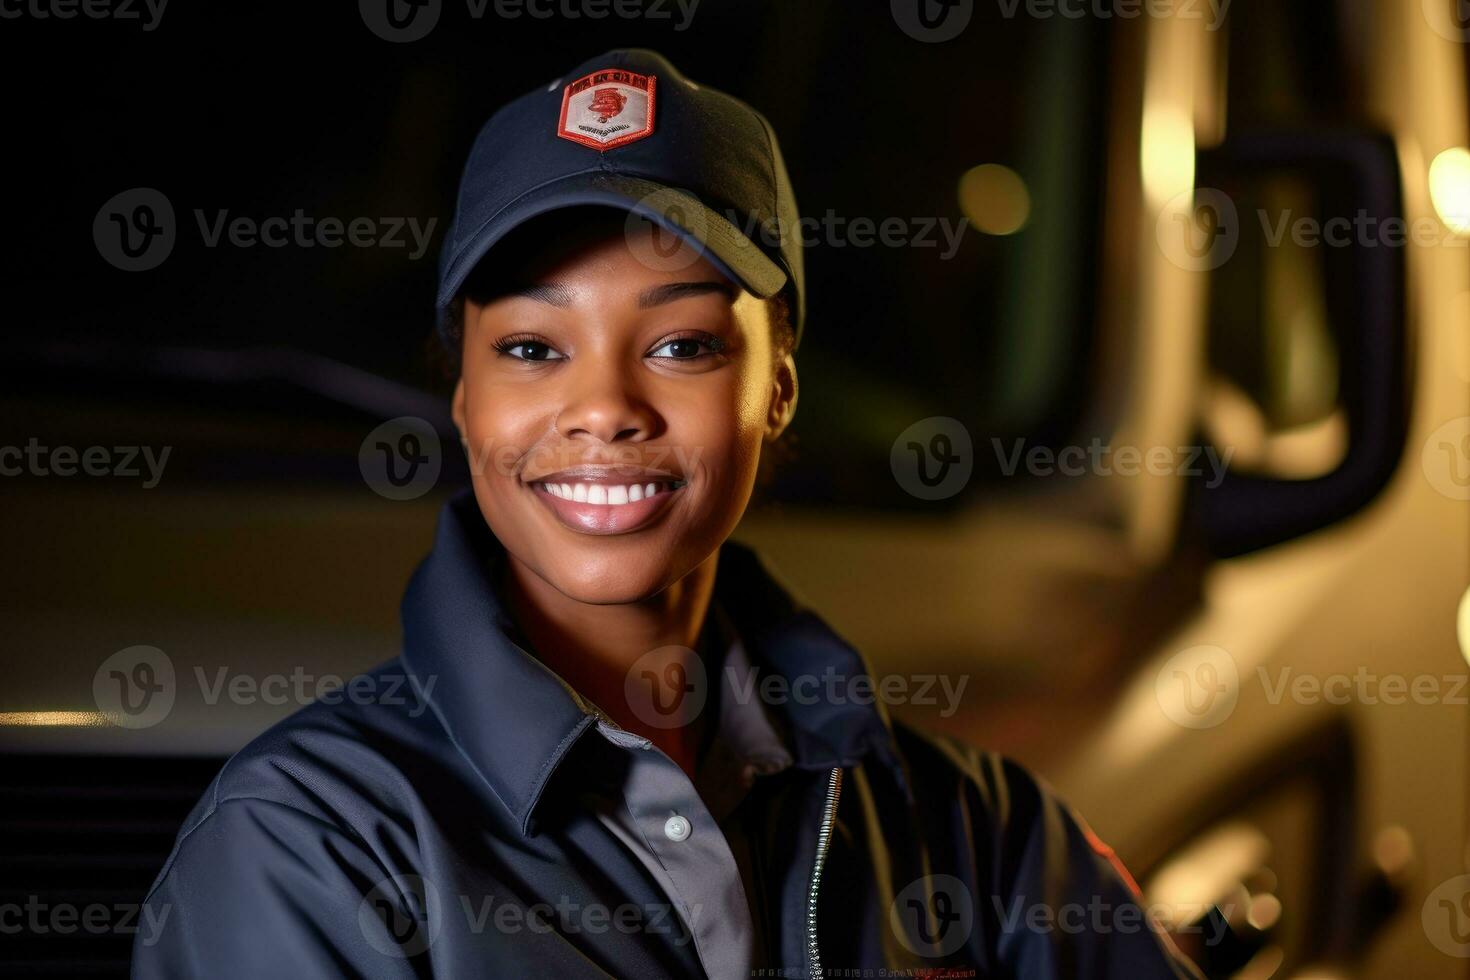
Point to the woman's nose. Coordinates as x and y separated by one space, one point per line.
605 404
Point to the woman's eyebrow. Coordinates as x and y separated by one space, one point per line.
669 292
551 293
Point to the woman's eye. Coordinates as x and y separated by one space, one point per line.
531 350
683 349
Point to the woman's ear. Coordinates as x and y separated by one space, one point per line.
456 411
783 398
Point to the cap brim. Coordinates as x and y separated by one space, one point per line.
709 234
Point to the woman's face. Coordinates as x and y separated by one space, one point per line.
615 413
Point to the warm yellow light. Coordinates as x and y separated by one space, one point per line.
995 199
1463 626
53 719
1449 188
1166 153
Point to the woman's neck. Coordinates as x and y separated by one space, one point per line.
595 647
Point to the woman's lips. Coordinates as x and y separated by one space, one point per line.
605 508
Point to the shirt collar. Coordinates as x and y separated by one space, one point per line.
514 719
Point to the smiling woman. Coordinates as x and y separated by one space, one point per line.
637 400
633 720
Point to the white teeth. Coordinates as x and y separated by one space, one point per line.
601 493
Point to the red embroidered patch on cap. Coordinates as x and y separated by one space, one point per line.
607 108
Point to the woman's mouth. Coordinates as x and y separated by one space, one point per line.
605 506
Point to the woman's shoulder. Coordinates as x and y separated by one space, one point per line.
339 763
937 760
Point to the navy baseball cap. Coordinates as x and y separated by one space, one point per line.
627 130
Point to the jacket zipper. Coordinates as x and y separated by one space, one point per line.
824 841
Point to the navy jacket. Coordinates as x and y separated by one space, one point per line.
431 827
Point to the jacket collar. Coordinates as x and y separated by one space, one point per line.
514 719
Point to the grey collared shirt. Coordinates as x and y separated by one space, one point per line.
684 831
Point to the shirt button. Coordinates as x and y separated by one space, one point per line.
676 828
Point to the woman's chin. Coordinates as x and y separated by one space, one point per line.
608 581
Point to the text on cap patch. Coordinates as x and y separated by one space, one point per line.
607 108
